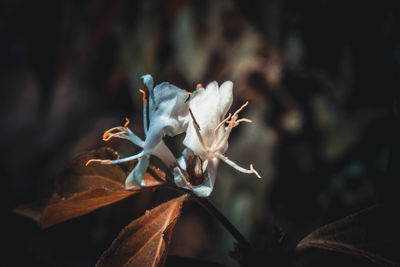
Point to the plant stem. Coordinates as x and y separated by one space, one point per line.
213 211
223 220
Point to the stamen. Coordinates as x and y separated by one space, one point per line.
198 86
205 165
240 109
133 157
144 111
234 123
144 95
122 130
237 167
222 123
254 171
126 123
107 135
102 161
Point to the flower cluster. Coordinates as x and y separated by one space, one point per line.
172 111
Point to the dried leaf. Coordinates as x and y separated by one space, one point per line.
144 242
372 233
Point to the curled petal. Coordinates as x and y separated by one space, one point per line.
148 81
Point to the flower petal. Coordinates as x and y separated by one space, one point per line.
162 152
148 81
168 99
204 189
135 177
225 97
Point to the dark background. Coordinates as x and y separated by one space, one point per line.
322 79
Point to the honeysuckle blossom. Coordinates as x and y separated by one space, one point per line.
168 112
206 138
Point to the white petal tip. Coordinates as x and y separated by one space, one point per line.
227 85
148 81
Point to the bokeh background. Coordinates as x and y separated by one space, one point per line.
321 77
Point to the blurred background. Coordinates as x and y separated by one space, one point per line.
321 77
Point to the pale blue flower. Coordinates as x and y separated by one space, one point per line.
168 112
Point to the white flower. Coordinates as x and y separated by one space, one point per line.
168 112
206 138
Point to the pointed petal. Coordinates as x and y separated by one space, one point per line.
192 142
162 152
179 178
212 88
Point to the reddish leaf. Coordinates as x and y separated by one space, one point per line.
372 233
57 210
81 189
34 210
144 242
77 177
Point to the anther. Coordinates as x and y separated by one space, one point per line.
144 96
126 123
254 171
240 109
97 160
107 135
222 123
234 123
198 86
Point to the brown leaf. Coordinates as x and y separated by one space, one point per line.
34 210
144 242
372 233
57 210
81 189
76 177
